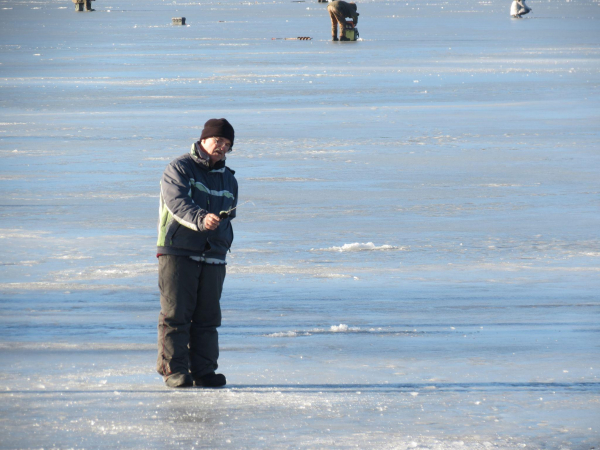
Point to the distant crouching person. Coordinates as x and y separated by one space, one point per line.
518 8
338 11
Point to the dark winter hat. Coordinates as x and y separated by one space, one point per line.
218 128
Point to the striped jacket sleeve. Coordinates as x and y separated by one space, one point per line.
175 191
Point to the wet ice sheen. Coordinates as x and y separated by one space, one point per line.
417 268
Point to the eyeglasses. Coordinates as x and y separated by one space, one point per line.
220 143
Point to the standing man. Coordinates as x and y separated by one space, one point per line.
193 239
338 11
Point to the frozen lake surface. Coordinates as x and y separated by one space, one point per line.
418 263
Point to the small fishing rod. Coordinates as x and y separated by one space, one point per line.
225 214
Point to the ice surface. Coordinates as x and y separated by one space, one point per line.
357 247
418 263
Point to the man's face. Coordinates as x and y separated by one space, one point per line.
216 148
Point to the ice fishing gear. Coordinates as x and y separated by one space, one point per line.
225 214
350 31
301 38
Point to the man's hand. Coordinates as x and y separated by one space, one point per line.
211 221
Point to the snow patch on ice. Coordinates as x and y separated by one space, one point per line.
358 247
89 346
332 275
344 328
107 272
288 334
71 257
57 286
21 234
341 328
283 179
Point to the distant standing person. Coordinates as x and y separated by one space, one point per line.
193 239
338 11
518 8
79 4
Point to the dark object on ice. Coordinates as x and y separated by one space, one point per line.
323 1
179 380
79 5
178 20
350 32
338 11
301 38
211 380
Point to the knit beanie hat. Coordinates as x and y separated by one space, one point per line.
218 128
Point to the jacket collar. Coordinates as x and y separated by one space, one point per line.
201 157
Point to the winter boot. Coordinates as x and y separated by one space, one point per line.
334 38
344 38
179 380
211 380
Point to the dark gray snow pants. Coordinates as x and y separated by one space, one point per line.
190 313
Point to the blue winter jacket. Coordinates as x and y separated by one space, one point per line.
189 190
